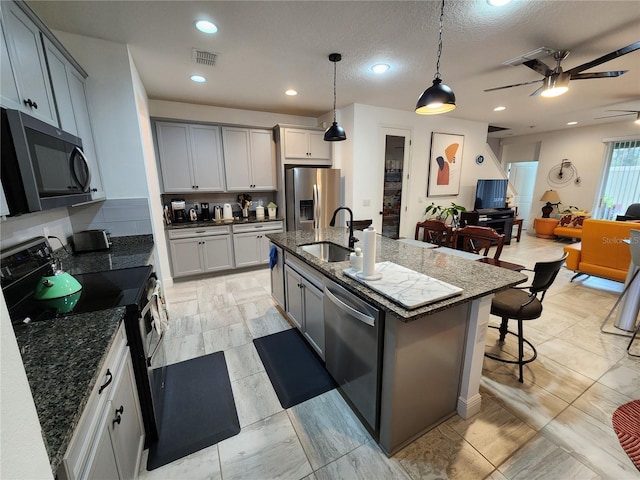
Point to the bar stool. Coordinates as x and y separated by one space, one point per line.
517 304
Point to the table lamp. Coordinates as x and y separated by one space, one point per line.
553 199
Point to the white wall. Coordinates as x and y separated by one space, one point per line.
14 230
22 451
584 147
361 156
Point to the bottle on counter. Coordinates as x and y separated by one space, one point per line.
356 259
260 211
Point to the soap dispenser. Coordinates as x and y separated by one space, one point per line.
356 259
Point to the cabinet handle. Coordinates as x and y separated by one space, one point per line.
197 186
30 103
117 420
106 384
120 410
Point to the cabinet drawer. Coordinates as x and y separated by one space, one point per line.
84 432
197 232
272 227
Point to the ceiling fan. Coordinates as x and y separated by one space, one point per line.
556 81
628 112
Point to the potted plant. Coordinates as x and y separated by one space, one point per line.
443 213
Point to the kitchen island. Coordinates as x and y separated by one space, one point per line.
430 359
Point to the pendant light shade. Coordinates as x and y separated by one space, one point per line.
335 133
438 98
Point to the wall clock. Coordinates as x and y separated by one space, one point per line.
479 159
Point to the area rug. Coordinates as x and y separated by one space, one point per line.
198 409
296 373
626 424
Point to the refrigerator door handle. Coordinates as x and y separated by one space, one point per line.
316 206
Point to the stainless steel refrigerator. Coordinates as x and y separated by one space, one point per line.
311 194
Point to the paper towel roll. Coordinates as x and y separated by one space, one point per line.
369 252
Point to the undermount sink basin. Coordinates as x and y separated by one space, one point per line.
327 251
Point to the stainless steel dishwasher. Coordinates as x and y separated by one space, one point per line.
353 350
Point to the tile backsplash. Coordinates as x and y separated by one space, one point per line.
121 217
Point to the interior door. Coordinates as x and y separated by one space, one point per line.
397 143
522 176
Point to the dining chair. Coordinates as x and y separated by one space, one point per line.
522 303
478 240
434 231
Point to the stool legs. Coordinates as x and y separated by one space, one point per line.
520 350
504 328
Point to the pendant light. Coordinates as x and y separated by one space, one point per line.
438 98
335 133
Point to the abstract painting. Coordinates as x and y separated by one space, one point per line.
445 164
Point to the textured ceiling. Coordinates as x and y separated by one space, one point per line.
266 47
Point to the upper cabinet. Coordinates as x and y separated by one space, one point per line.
69 91
29 89
190 157
302 146
249 159
306 144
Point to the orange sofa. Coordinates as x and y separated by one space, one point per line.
602 251
570 225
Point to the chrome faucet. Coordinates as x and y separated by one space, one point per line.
332 223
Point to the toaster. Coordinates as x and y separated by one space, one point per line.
91 240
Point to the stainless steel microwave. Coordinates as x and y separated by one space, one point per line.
42 166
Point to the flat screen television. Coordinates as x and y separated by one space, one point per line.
491 194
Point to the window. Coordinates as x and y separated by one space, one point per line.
620 185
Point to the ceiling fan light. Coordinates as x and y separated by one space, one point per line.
555 85
438 98
335 133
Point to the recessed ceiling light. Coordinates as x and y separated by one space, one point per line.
499 109
205 26
572 123
291 92
380 68
498 3
198 78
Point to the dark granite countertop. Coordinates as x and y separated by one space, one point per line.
62 357
217 223
475 278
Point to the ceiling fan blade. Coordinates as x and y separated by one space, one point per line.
605 58
539 67
619 115
583 76
629 111
514 85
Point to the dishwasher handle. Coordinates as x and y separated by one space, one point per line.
363 317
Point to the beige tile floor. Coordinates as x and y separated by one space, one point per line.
556 425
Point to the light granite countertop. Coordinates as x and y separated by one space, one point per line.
476 279
63 357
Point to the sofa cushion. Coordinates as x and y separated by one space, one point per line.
572 220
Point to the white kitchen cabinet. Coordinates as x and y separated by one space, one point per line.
249 160
71 101
28 64
196 251
304 304
190 157
306 144
108 440
250 242
277 277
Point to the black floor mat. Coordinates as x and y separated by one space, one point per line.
198 410
294 370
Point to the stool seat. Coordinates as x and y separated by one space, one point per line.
508 303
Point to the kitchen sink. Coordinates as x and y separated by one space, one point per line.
327 251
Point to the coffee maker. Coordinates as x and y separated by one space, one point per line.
179 210
204 209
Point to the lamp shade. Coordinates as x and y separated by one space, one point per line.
335 133
550 196
438 98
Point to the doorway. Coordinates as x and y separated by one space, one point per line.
522 176
396 165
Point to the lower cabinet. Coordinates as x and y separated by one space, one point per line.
304 304
109 438
250 242
277 277
195 251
